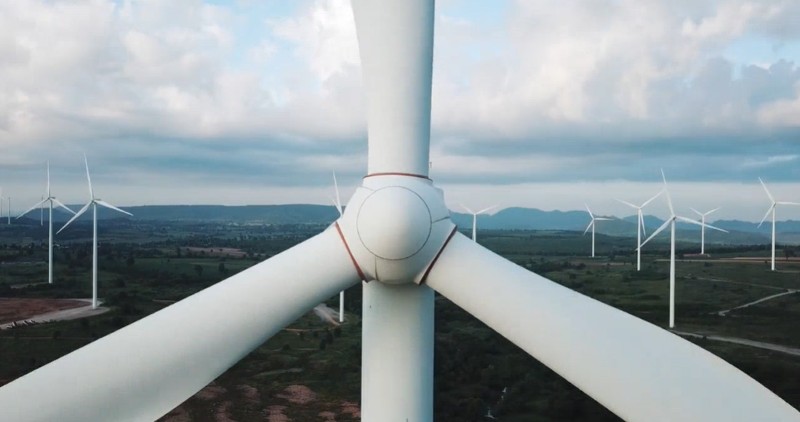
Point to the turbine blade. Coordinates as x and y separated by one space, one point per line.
641 221
88 177
713 211
628 204
466 209
48 179
338 202
666 191
659 230
603 219
695 222
75 217
487 209
395 42
589 226
787 203
696 212
769 210
58 203
589 211
107 205
654 196
146 369
766 190
616 358
38 204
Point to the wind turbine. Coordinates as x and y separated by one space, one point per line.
475 219
592 225
51 200
640 228
671 222
703 228
93 202
338 204
396 235
774 204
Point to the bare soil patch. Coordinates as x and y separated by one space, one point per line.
15 309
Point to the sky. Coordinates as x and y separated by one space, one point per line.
536 103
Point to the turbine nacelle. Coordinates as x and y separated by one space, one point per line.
394 227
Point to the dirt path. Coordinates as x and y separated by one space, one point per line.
719 280
763 299
745 342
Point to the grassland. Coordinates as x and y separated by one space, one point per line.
311 370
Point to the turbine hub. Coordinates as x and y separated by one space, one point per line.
394 226
394 223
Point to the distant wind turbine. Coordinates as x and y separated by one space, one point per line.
51 200
703 228
640 228
93 202
592 225
338 204
774 204
671 222
475 219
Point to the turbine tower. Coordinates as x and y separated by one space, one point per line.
703 228
396 235
592 225
773 204
475 219
640 228
671 222
93 202
50 200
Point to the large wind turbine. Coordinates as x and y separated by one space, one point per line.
396 235
774 204
592 225
671 222
475 219
50 200
703 228
640 228
93 202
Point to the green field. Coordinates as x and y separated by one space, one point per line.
146 267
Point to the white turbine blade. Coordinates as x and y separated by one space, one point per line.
766 215
48 179
58 203
766 190
712 211
641 222
487 209
395 41
88 177
695 222
603 219
146 369
589 226
659 230
628 204
107 205
75 217
635 369
787 203
589 211
654 196
696 212
665 190
467 209
338 202
38 204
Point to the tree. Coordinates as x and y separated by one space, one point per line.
198 269
221 268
